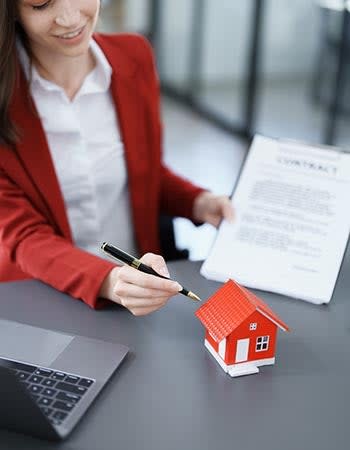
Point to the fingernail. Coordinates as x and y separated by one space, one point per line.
164 271
177 286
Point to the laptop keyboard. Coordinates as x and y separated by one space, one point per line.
57 393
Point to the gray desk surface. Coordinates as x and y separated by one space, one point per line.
170 394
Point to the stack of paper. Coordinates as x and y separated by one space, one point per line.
292 221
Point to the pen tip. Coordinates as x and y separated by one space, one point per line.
194 297
103 245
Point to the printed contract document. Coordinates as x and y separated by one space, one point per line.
292 221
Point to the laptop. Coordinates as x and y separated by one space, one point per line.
49 379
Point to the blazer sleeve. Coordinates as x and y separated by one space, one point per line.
177 193
30 241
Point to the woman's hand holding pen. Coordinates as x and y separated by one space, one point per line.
140 292
211 208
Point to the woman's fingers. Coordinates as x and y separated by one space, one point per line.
152 303
141 301
143 311
157 263
142 293
227 209
144 280
212 208
127 289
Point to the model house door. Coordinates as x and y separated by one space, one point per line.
222 348
242 350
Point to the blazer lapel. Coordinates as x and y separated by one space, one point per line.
34 154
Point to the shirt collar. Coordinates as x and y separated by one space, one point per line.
98 80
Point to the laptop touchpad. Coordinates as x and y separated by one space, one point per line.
31 344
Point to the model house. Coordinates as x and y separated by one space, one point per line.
241 330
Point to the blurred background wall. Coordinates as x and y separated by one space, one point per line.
204 51
291 25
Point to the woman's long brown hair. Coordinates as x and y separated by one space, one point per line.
8 69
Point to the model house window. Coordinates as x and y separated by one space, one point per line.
262 343
253 326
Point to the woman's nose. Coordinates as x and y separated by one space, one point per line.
68 15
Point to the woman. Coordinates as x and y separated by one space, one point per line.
80 145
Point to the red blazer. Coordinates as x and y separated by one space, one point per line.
35 237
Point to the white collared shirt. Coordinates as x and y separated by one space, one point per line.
88 155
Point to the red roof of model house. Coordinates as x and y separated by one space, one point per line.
229 307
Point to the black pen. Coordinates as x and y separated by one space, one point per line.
124 257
